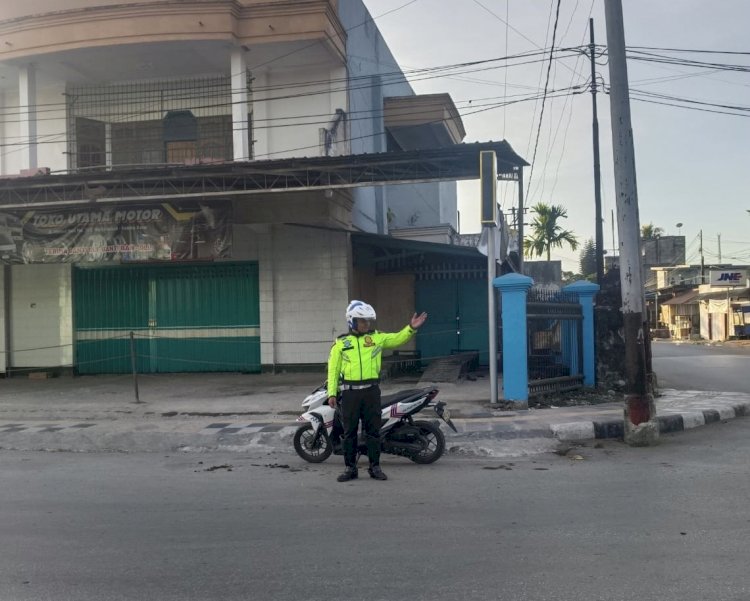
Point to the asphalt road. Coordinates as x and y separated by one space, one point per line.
617 524
702 367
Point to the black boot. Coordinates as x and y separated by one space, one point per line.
377 473
350 473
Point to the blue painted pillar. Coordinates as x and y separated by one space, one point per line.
585 291
513 288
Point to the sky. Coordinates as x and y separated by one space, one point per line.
692 166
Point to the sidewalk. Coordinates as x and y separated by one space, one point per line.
201 412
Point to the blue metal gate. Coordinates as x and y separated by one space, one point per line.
555 341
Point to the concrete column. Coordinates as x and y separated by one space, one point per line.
585 291
514 288
3 134
108 145
379 145
27 116
240 106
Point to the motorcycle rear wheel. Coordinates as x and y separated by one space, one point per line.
435 443
316 452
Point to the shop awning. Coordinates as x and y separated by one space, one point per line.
244 179
683 299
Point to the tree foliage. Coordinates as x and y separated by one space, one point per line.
650 231
546 232
587 258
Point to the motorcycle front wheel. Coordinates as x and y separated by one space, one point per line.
434 443
314 451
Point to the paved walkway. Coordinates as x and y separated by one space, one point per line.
231 411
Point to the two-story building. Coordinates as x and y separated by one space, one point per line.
171 169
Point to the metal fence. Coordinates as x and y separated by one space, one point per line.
150 123
555 341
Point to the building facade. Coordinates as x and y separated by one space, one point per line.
709 302
205 281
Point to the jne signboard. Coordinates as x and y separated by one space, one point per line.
729 277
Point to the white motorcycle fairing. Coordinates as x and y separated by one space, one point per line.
392 414
323 415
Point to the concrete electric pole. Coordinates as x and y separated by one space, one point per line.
489 219
641 426
597 173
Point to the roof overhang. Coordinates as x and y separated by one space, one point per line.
683 299
731 293
423 121
381 251
244 179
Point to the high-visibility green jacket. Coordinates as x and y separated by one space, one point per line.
355 358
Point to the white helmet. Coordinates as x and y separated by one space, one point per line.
359 310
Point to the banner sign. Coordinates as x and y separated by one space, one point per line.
729 277
117 234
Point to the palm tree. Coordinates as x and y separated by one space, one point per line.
650 231
546 232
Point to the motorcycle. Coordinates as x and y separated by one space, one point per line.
320 434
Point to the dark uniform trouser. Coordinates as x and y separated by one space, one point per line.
361 404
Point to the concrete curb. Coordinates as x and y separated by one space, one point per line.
670 421
225 431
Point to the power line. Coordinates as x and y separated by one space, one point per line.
370 113
570 111
539 84
691 108
690 50
544 98
317 145
365 82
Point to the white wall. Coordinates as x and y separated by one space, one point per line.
3 139
304 291
309 107
51 124
448 203
51 128
12 157
41 315
3 325
369 55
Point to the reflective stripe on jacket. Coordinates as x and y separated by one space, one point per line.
356 357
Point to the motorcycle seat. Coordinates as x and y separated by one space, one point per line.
401 396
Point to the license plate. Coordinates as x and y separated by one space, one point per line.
446 414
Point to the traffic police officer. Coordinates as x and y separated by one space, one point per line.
354 364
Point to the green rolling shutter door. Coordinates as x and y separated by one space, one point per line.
185 318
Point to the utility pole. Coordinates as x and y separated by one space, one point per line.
520 219
703 263
641 426
488 218
597 172
719 238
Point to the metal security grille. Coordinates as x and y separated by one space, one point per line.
555 341
183 318
159 122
